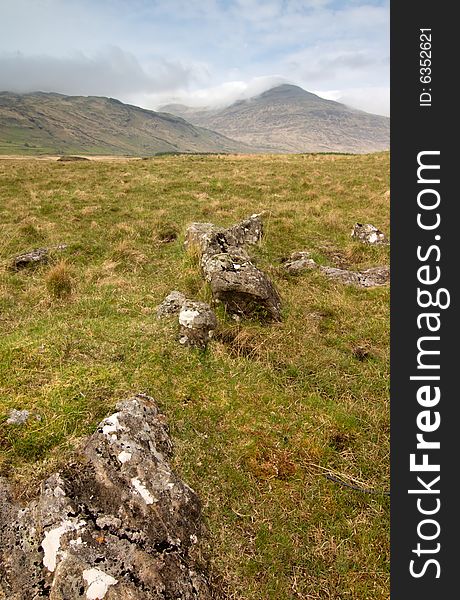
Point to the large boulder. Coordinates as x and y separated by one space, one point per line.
234 279
120 525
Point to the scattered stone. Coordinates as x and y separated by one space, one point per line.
119 525
298 262
197 323
234 279
374 277
171 305
18 417
34 257
71 158
368 234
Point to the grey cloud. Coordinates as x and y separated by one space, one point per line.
112 72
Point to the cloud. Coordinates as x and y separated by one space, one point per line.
111 72
217 96
371 99
213 50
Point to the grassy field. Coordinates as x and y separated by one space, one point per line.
266 411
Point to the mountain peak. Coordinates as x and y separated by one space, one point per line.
287 118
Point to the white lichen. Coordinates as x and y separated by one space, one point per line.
52 542
111 424
124 456
186 317
142 491
98 583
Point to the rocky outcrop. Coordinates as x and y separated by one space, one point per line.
120 525
34 257
234 279
368 234
197 323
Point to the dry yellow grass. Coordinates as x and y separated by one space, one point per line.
267 411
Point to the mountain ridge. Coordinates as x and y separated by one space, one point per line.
287 118
49 122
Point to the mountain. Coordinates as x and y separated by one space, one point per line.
287 118
48 123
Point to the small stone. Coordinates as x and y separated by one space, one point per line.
18 417
299 262
34 257
368 234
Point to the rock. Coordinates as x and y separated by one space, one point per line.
241 286
368 234
197 235
298 262
34 257
70 158
171 305
120 525
197 323
18 417
374 277
249 231
234 279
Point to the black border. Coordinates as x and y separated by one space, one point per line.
417 128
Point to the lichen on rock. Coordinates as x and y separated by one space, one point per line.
107 528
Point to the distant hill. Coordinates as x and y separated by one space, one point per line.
48 123
287 118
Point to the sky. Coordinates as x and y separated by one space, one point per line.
198 52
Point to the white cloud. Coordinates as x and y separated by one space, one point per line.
216 96
372 99
213 50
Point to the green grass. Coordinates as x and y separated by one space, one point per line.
261 415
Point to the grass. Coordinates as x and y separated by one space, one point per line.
266 411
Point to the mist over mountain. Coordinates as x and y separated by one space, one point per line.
287 118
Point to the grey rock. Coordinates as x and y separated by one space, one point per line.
198 234
171 305
249 231
374 277
299 262
234 279
18 417
120 525
197 323
34 257
368 234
